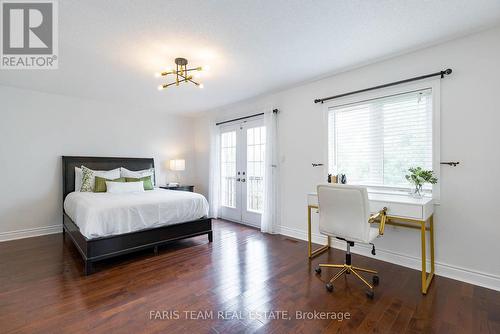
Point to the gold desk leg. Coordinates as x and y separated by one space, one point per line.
309 242
424 260
431 233
313 253
427 279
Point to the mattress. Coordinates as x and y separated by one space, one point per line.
104 214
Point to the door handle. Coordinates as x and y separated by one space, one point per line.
242 180
238 180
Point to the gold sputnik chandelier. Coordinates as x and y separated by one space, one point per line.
182 74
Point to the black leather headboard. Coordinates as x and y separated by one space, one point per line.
98 163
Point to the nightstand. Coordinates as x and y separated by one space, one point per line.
181 187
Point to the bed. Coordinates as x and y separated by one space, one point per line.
104 225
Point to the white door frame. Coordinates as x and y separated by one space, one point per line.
232 213
240 213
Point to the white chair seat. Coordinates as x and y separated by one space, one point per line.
373 233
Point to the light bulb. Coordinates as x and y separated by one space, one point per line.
157 75
206 68
201 85
160 87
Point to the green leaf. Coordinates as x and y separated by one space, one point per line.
418 176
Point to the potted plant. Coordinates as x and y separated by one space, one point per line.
418 177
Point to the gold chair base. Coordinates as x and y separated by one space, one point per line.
346 268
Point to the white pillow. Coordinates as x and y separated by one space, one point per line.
124 187
107 174
124 172
78 179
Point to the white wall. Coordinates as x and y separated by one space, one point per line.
36 129
467 221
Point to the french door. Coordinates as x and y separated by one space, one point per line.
242 153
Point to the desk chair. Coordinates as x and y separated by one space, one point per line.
344 213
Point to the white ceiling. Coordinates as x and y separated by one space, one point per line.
109 50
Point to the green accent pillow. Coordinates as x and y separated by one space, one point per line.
148 183
100 183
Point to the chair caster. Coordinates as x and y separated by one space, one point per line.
318 270
370 294
375 280
329 287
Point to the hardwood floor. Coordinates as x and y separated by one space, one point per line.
43 290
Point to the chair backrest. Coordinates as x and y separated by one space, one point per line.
344 211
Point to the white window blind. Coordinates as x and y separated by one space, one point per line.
374 142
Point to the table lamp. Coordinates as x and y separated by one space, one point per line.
177 165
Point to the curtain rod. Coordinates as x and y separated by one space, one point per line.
241 118
440 73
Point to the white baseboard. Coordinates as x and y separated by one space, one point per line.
442 269
30 232
241 222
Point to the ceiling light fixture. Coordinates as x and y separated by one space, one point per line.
181 74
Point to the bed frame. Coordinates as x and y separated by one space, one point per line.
97 249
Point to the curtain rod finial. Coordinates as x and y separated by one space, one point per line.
447 72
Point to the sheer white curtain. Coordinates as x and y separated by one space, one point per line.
214 177
270 215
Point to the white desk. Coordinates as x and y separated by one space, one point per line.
403 211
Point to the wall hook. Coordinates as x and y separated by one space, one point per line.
451 163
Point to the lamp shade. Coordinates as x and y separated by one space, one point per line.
178 164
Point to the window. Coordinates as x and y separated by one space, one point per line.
256 148
228 169
375 141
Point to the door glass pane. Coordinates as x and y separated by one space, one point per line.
256 146
228 169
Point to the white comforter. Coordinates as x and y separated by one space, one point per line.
105 214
